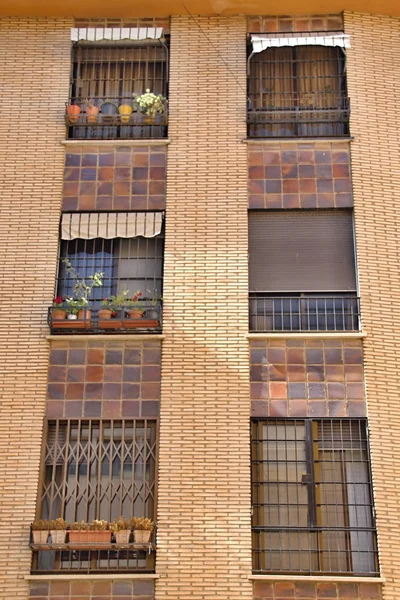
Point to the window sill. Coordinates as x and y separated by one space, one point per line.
307 335
107 336
118 142
333 578
271 140
88 576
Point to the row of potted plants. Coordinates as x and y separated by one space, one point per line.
98 531
148 104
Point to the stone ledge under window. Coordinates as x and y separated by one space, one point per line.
86 577
322 578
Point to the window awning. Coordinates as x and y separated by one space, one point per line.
262 41
87 226
115 34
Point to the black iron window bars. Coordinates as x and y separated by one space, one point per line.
312 498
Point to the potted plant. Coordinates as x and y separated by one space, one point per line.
150 105
142 529
152 312
40 531
99 532
125 111
59 312
92 112
78 304
122 530
73 112
110 308
58 530
78 532
134 308
109 111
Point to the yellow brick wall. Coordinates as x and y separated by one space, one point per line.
34 67
203 541
373 73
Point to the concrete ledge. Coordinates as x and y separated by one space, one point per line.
130 142
301 140
309 335
88 576
326 578
102 337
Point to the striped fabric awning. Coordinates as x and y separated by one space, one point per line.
87 226
115 34
262 41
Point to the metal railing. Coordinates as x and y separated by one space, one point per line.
95 319
328 313
94 558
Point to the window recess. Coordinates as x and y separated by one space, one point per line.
297 86
312 498
302 271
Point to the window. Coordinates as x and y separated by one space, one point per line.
97 470
107 74
297 90
308 283
312 497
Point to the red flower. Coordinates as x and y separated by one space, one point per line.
58 300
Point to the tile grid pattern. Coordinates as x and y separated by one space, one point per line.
92 590
298 23
285 590
203 539
373 69
35 63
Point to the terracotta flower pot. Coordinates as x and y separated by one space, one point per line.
85 314
58 315
135 313
58 536
148 119
40 537
123 536
91 113
142 536
73 112
125 112
104 314
89 537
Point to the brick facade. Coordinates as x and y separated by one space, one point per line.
35 64
299 175
307 378
372 63
115 177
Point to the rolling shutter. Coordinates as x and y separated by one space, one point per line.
301 251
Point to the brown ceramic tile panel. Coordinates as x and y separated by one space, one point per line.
304 590
298 23
115 178
299 175
307 378
163 22
107 379
92 590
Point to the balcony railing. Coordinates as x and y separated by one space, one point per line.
95 319
106 120
293 314
93 558
294 116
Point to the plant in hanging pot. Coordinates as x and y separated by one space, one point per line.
40 531
142 529
92 112
150 105
125 111
122 530
58 530
59 312
73 112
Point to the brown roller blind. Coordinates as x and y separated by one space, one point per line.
301 251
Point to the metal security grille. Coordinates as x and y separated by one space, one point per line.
298 91
108 76
304 313
134 264
99 470
312 498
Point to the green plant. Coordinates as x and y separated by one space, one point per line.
79 526
98 525
142 524
59 524
121 524
41 525
115 302
150 104
82 289
135 302
74 305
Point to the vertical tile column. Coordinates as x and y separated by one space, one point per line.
373 72
203 544
34 66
